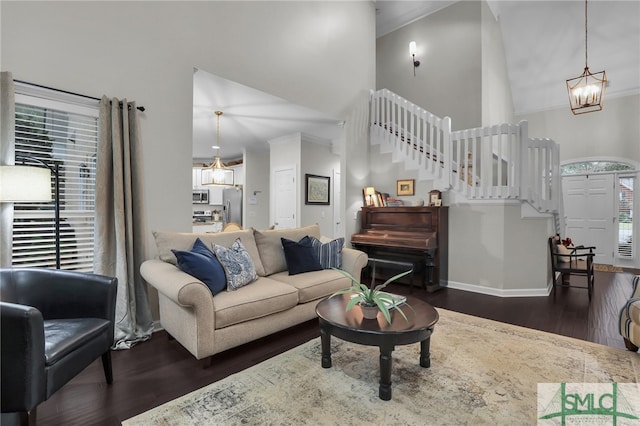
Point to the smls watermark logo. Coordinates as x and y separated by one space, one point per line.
589 403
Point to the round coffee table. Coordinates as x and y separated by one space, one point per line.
352 327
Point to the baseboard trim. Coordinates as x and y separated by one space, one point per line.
501 292
157 326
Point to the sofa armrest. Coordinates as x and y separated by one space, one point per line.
353 261
181 288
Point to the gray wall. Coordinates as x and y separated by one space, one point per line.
497 105
257 178
317 159
448 79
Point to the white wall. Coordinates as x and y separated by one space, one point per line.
612 132
146 51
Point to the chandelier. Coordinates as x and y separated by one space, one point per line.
586 92
220 175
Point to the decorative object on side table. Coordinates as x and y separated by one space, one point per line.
372 300
405 187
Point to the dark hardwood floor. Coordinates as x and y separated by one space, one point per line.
160 370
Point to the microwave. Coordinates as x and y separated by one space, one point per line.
200 196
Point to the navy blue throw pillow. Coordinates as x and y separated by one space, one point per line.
300 256
201 263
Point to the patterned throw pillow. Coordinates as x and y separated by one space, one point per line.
329 254
237 264
201 263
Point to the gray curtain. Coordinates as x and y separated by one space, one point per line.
7 151
120 231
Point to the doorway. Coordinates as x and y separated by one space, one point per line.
598 205
285 198
589 213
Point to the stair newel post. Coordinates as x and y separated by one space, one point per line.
446 159
523 155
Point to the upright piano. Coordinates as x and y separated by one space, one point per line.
411 234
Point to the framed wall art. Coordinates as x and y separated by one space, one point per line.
317 190
405 187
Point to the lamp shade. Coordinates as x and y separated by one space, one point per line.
25 184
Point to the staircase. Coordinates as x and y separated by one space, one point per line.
487 163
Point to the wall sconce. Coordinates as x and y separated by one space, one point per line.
412 52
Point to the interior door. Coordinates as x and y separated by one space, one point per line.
338 227
589 213
285 198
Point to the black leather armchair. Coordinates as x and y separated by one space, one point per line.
54 323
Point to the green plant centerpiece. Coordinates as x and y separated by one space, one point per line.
372 297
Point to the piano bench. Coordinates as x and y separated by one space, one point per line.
393 264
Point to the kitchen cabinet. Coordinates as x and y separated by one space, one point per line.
238 174
207 227
195 176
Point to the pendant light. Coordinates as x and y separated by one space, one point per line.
220 175
586 92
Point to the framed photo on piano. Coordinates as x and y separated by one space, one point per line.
405 187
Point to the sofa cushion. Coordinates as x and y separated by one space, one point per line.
300 256
165 241
329 254
201 263
63 336
237 264
270 246
255 300
314 285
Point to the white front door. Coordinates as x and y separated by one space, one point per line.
285 198
589 213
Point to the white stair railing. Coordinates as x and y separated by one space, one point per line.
412 134
496 162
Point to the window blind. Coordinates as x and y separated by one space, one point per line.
62 132
625 216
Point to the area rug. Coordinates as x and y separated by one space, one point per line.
482 372
606 268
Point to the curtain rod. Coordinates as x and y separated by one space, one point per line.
139 108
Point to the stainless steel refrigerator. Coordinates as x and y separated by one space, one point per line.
232 203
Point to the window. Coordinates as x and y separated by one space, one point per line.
625 216
584 167
61 129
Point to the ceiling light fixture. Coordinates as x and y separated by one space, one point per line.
220 175
586 92
412 51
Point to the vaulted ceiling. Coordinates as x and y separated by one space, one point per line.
544 46
544 43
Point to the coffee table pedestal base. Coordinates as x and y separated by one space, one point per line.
386 361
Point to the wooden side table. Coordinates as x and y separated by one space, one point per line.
351 326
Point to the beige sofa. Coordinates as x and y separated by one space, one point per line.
206 324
